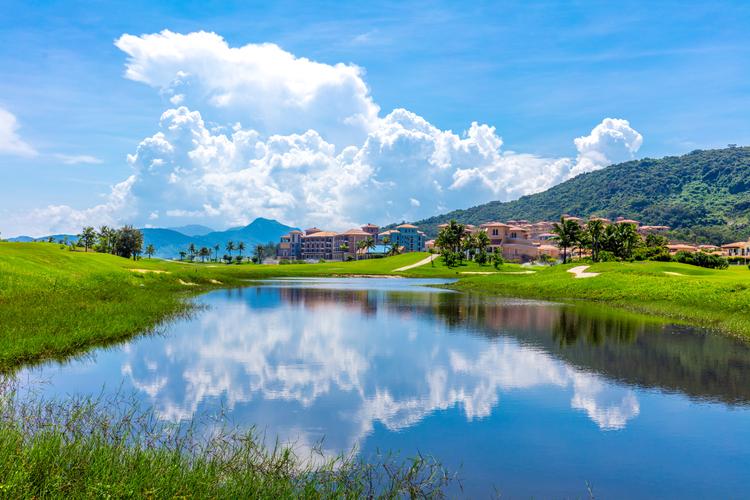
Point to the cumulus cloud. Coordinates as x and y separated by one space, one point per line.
65 219
261 84
303 142
10 142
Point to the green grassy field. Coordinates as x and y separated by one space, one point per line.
54 302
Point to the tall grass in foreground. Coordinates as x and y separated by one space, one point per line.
110 448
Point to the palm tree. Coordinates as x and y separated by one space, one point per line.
150 250
217 247
203 253
627 239
183 253
394 250
230 247
566 234
260 253
191 250
369 243
595 232
87 237
482 242
361 245
241 247
105 237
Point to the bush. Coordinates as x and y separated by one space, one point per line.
702 259
605 256
660 254
284 261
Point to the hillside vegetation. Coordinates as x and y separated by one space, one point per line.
704 196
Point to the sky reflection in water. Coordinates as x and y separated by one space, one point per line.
377 363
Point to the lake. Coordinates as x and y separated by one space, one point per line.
520 397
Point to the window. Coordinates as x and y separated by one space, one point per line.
494 232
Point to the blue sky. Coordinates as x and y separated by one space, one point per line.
541 73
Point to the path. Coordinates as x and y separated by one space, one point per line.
420 263
580 272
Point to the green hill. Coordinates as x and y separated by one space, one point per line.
704 196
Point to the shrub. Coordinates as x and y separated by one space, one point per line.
606 256
701 259
284 261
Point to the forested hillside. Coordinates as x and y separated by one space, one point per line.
704 196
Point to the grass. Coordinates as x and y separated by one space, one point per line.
718 299
82 448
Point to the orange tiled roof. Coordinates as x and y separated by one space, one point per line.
321 234
407 226
736 244
354 232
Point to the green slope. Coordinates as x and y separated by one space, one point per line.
704 196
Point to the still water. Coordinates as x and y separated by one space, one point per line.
521 397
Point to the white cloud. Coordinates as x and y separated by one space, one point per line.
78 159
612 141
312 150
261 84
65 219
10 142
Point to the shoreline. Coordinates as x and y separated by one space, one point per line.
56 303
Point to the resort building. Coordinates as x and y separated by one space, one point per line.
516 241
316 244
407 236
291 245
737 249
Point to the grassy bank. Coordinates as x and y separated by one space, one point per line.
110 449
54 303
718 299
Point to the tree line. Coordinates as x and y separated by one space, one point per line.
211 254
124 242
594 240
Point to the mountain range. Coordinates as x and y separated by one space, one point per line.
169 242
704 196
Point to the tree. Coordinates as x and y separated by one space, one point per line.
192 251
87 238
105 238
183 253
128 242
361 246
394 249
150 250
217 247
628 240
369 243
203 253
449 242
482 242
229 247
566 234
241 248
595 232
259 254
497 258
469 246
